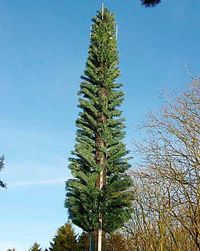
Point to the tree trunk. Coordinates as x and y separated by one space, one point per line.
92 242
101 182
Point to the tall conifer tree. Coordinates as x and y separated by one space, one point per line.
98 197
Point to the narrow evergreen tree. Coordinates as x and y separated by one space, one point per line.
35 247
65 239
98 197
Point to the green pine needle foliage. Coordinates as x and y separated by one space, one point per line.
35 247
99 142
64 240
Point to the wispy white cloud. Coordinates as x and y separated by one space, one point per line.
37 182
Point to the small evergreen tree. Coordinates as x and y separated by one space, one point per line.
98 197
65 239
35 247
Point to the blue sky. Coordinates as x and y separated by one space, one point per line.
43 50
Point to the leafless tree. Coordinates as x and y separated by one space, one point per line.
167 188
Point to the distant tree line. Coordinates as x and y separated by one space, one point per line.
66 240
